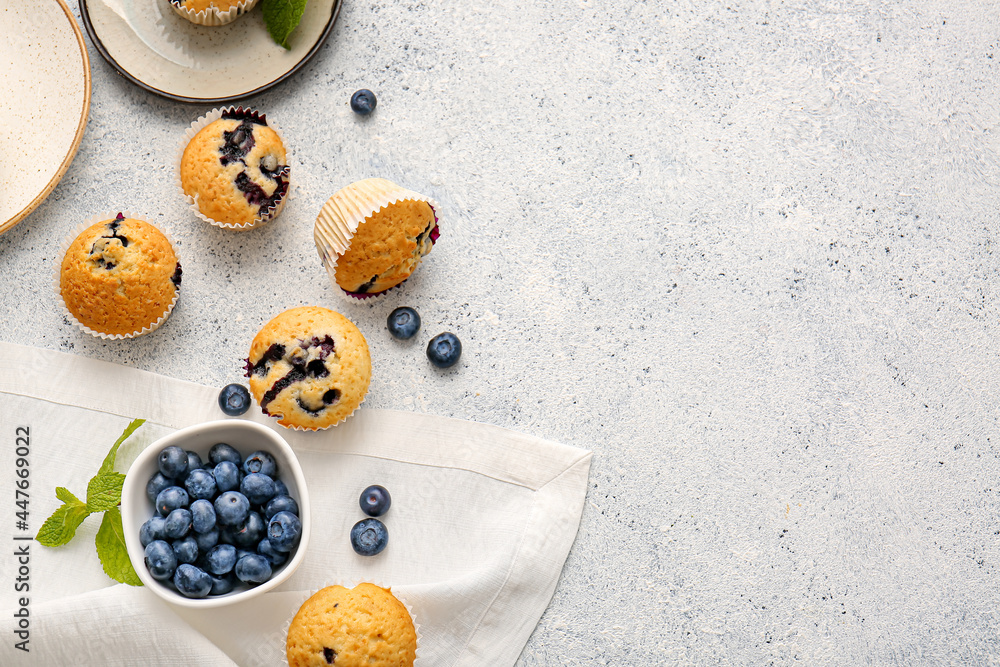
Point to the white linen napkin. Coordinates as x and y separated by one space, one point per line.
482 520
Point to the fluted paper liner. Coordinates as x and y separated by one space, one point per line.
212 17
308 429
350 586
57 281
202 122
344 212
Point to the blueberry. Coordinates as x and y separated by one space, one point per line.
444 349
369 537
253 569
284 530
234 399
160 560
375 500
281 504
170 499
247 534
157 483
221 559
200 484
221 585
202 515
231 508
258 488
185 549
191 581
240 553
403 323
194 461
280 489
261 462
207 540
227 476
177 524
363 102
222 452
273 556
173 462
151 530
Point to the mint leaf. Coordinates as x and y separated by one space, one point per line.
109 460
112 551
104 491
60 528
64 495
281 17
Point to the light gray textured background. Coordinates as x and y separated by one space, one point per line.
743 251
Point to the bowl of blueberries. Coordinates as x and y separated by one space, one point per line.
215 513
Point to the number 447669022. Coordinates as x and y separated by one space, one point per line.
22 449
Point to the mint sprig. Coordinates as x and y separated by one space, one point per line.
104 494
281 17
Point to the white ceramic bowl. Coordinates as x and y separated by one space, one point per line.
247 437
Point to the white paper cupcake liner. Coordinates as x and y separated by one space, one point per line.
202 122
307 429
57 280
344 212
350 585
212 17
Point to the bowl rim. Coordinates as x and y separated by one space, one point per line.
134 487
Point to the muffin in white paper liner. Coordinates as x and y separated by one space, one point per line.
342 214
57 279
265 214
310 367
350 585
212 16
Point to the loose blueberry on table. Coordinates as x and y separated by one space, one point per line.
444 350
375 500
218 525
369 537
363 102
403 322
234 399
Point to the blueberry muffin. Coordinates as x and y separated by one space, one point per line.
211 12
309 367
365 625
120 277
235 170
373 234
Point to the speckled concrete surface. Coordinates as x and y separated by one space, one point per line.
744 251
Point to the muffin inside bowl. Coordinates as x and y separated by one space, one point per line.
170 540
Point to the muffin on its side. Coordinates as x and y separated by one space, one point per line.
372 235
310 367
120 277
365 625
235 169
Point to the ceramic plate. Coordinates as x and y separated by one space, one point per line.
44 98
156 49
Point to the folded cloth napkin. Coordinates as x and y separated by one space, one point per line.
481 523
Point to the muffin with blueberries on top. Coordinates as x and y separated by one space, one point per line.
365 625
235 169
310 367
120 277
